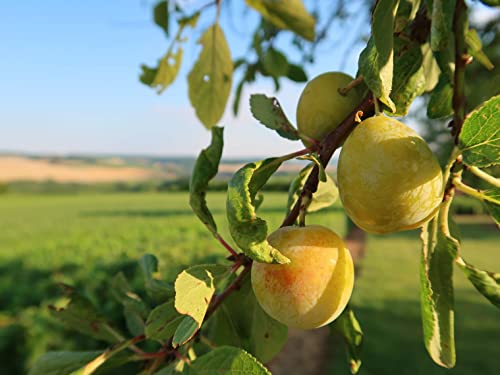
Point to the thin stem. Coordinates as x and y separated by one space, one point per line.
120 338
476 193
235 285
377 107
218 2
226 245
355 82
485 176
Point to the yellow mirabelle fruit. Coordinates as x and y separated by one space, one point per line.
389 179
314 288
321 108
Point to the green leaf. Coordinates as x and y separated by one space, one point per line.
315 160
406 13
189 21
172 369
409 79
479 139
348 326
185 331
383 41
430 67
158 290
227 360
275 63
326 194
291 15
247 229
134 310
446 59
161 15
442 23
436 295
270 114
241 322
205 169
162 322
374 77
296 73
210 78
476 48
61 363
81 315
97 362
493 205
487 283
440 102
491 3
194 288
148 75
167 70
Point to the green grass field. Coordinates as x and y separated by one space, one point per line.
85 239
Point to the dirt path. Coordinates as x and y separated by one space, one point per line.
308 352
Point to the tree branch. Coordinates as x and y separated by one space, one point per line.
461 57
235 285
327 147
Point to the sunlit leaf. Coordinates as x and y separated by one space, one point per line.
430 67
248 230
210 78
476 48
205 169
383 42
97 362
348 326
436 294
194 288
269 112
479 139
287 14
227 360
487 283
369 68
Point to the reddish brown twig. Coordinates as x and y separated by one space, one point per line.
327 148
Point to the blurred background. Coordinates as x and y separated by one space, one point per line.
95 167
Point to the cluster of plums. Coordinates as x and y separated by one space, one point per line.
389 180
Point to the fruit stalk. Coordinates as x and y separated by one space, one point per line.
327 147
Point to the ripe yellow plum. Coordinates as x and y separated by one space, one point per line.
314 288
389 179
321 108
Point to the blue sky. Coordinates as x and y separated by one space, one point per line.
69 82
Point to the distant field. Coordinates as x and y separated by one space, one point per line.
13 168
84 239
98 170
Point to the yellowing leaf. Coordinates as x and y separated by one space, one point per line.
210 78
287 14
